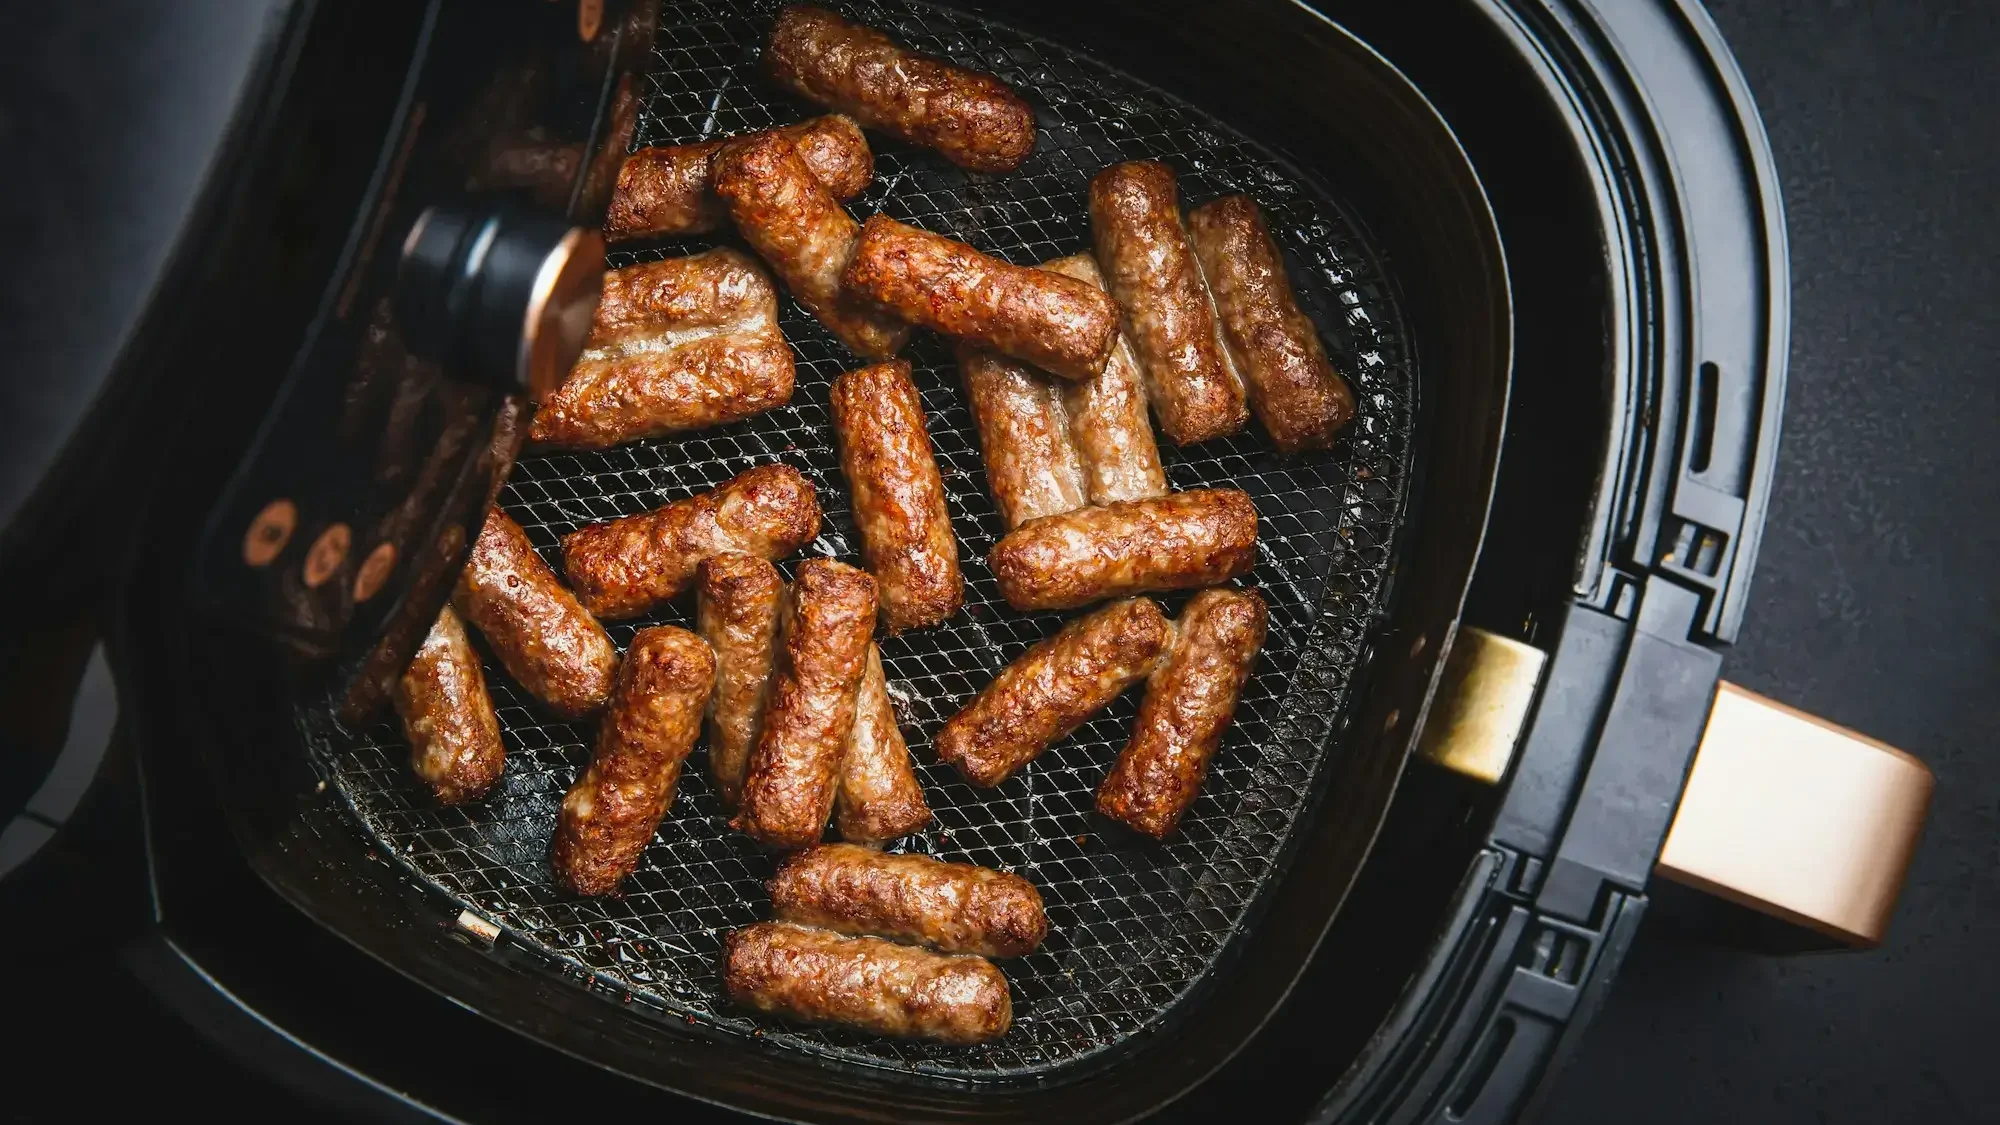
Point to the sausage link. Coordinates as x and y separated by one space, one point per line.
1107 415
950 907
788 217
679 344
879 797
823 640
1135 224
865 983
737 603
1053 688
670 190
1057 323
1184 541
899 506
628 567
1190 699
447 716
648 728
974 119
1032 469
542 634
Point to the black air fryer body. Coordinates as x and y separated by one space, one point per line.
1575 210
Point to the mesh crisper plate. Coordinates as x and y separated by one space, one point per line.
1134 927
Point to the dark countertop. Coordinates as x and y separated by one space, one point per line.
1874 603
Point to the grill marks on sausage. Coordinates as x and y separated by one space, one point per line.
949 907
448 717
670 190
865 983
540 631
898 495
1183 541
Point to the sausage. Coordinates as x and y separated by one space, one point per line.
541 633
1053 688
973 119
448 717
631 566
737 602
1057 323
1032 467
670 190
788 217
1201 537
1190 699
1295 391
1107 415
824 634
899 507
950 907
865 983
679 344
879 797
1135 225
648 728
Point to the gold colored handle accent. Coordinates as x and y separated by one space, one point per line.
1794 817
1481 705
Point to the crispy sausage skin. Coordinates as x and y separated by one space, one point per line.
824 635
974 119
1294 389
1107 415
647 730
1190 699
679 344
1032 467
1053 688
670 189
1057 323
865 983
950 907
879 797
454 735
899 505
630 566
789 218
1135 224
1184 541
737 601
545 638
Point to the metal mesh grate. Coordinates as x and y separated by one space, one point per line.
1135 927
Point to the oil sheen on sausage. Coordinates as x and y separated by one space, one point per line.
1190 699
670 189
1032 467
879 797
974 119
1108 424
543 635
447 716
737 601
648 728
865 983
1184 541
1053 688
898 494
950 907
631 566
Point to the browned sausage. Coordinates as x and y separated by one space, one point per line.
950 907
630 566
1032 468
866 983
648 728
1107 416
788 217
1185 541
823 642
1190 699
1057 323
679 344
1295 391
1135 223
885 453
543 636
737 602
879 796
1053 688
974 119
670 190
454 736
